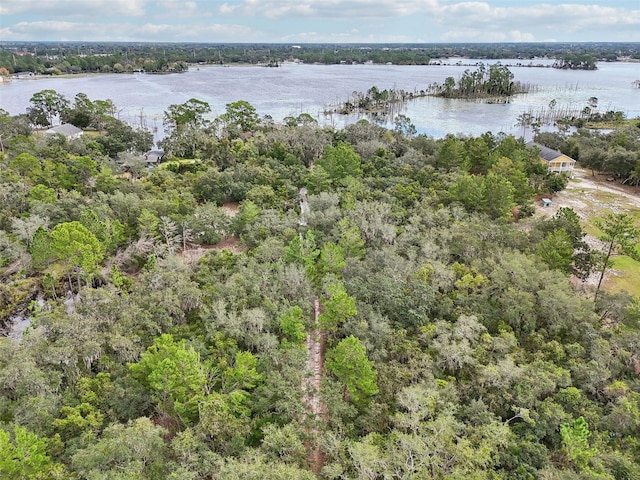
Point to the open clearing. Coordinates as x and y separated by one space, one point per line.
592 198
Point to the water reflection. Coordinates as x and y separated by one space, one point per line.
297 88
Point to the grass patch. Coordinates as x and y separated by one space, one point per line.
627 277
608 197
613 124
181 165
627 270
591 226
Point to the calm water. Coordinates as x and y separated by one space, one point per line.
296 88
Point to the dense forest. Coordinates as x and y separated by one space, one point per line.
55 58
298 302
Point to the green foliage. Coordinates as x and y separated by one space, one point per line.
578 61
496 81
25 164
42 193
135 450
556 250
351 241
348 361
555 182
175 375
284 444
74 244
331 259
190 113
180 359
42 251
514 172
121 137
239 117
45 106
575 442
620 236
499 198
110 233
119 280
23 455
243 375
338 307
451 154
248 213
87 113
293 326
340 162
78 420
492 194
468 279
470 191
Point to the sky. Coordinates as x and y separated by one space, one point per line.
320 21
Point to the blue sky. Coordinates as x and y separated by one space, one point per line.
309 21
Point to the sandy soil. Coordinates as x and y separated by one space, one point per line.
589 196
581 195
316 409
231 208
192 255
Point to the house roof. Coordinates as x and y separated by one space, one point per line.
153 156
65 129
546 153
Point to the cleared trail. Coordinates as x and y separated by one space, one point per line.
316 409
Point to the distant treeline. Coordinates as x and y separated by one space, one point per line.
76 57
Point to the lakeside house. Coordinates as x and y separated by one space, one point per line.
23 75
557 162
71 132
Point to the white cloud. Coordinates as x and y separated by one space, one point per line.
571 17
352 9
480 35
323 20
352 36
84 31
66 8
215 32
59 27
181 9
465 16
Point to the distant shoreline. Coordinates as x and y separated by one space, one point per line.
448 62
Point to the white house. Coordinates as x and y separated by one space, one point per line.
71 132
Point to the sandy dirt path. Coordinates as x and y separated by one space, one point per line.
316 409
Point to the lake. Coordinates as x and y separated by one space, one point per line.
296 88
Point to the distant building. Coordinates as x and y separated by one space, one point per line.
153 157
557 162
71 132
23 75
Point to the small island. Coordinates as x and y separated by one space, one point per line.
492 84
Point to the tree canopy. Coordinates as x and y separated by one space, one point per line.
295 301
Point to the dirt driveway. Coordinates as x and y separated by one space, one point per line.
594 196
